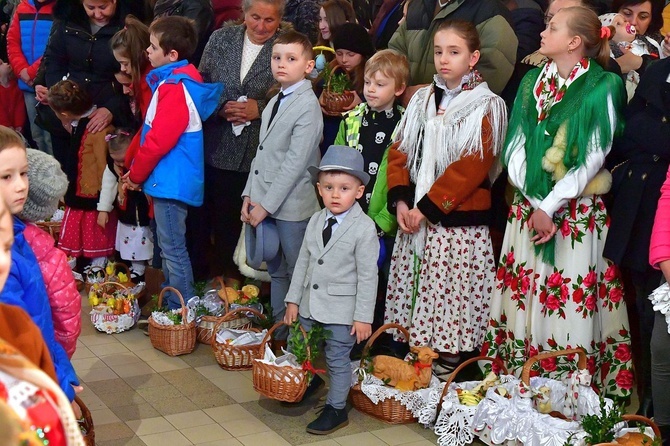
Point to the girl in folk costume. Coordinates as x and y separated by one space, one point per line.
85 231
442 267
554 289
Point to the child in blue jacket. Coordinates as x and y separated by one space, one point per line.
25 287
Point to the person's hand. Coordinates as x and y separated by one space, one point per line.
41 93
99 120
361 330
241 112
257 214
25 77
128 184
629 62
103 218
665 268
543 225
291 314
245 210
415 217
402 214
666 45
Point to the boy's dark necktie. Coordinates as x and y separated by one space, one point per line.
328 230
275 108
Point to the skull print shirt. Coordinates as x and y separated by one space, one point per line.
375 136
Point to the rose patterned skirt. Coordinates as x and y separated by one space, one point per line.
577 302
442 297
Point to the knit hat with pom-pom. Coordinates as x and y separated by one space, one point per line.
47 185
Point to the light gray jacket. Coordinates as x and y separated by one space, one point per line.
279 179
337 283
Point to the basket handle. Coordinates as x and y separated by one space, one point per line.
184 311
460 367
119 284
268 336
93 270
228 316
377 333
222 287
641 419
581 363
122 266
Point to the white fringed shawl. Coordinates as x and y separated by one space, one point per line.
433 142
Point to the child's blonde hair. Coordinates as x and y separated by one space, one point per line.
391 64
9 138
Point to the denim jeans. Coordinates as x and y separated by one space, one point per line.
41 137
170 216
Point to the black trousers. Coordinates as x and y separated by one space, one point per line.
223 203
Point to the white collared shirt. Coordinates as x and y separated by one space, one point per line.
290 90
339 217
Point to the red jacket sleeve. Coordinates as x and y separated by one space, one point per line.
169 124
14 53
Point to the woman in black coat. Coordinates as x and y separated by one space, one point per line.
79 48
639 162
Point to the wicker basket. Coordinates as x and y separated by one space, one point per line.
336 103
390 410
205 327
279 383
52 227
641 419
110 323
86 423
460 367
235 357
173 340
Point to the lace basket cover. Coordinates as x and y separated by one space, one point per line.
375 389
499 420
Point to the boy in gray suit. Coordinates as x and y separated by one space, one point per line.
279 187
335 279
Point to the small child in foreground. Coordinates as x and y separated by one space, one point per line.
335 279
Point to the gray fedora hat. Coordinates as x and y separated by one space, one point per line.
261 242
343 159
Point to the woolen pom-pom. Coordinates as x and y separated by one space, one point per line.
47 186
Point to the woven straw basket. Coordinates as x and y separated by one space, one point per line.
235 357
390 410
173 340
279 383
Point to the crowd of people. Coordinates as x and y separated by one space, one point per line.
171 134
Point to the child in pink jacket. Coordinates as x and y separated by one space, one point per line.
48 184
659 257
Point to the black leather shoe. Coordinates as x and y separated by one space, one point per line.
312 387
646 406
330 420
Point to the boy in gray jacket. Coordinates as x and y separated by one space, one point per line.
334 283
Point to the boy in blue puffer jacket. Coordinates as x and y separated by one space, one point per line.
169 164
26 41
25 287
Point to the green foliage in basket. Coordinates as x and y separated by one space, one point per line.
336 82
201 310
269 320
199 287
174 317
297 343
600 428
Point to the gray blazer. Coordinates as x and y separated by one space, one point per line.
337 284
221 61
279 179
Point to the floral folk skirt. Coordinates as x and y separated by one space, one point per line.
577 302
442 294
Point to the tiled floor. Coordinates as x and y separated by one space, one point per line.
140 396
